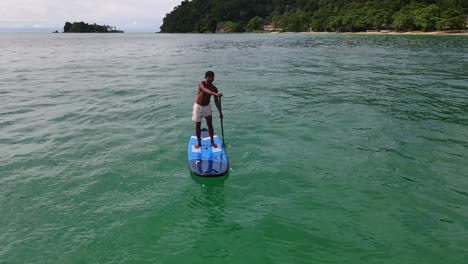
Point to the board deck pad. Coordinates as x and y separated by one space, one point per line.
207 161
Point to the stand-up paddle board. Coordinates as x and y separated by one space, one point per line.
207 161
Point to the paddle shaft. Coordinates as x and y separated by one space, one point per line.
222 127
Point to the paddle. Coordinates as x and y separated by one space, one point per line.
222 127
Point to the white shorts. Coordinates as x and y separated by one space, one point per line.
200 111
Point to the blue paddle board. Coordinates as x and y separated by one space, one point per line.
207 161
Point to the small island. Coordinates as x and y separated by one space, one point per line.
82 27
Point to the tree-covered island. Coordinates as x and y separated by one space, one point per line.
316 15
82 27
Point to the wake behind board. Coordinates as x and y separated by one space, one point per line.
207 161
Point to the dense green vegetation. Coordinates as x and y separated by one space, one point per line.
317 15
82 27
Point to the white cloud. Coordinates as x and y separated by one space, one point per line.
125 14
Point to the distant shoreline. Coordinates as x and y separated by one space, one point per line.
386 33
432 33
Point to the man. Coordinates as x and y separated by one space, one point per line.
202 108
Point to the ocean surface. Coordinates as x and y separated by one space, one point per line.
343 149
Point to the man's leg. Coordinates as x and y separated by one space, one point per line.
209 122
198 132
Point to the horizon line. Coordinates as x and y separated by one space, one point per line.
50 30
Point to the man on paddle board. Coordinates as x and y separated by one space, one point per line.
202 108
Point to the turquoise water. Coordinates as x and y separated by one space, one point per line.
343 149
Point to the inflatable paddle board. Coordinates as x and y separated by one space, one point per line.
207 161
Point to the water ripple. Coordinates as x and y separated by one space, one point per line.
341 146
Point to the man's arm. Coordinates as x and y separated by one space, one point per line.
206 90
218 105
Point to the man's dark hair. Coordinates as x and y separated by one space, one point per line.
209 73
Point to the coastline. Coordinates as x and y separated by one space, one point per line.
443 33
465 33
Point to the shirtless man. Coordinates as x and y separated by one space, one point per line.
202 108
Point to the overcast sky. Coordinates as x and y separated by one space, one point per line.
127 15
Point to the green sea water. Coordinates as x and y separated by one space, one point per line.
343 149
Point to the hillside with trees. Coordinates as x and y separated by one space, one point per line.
316 15
82 27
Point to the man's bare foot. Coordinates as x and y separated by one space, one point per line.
214 145
198 145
